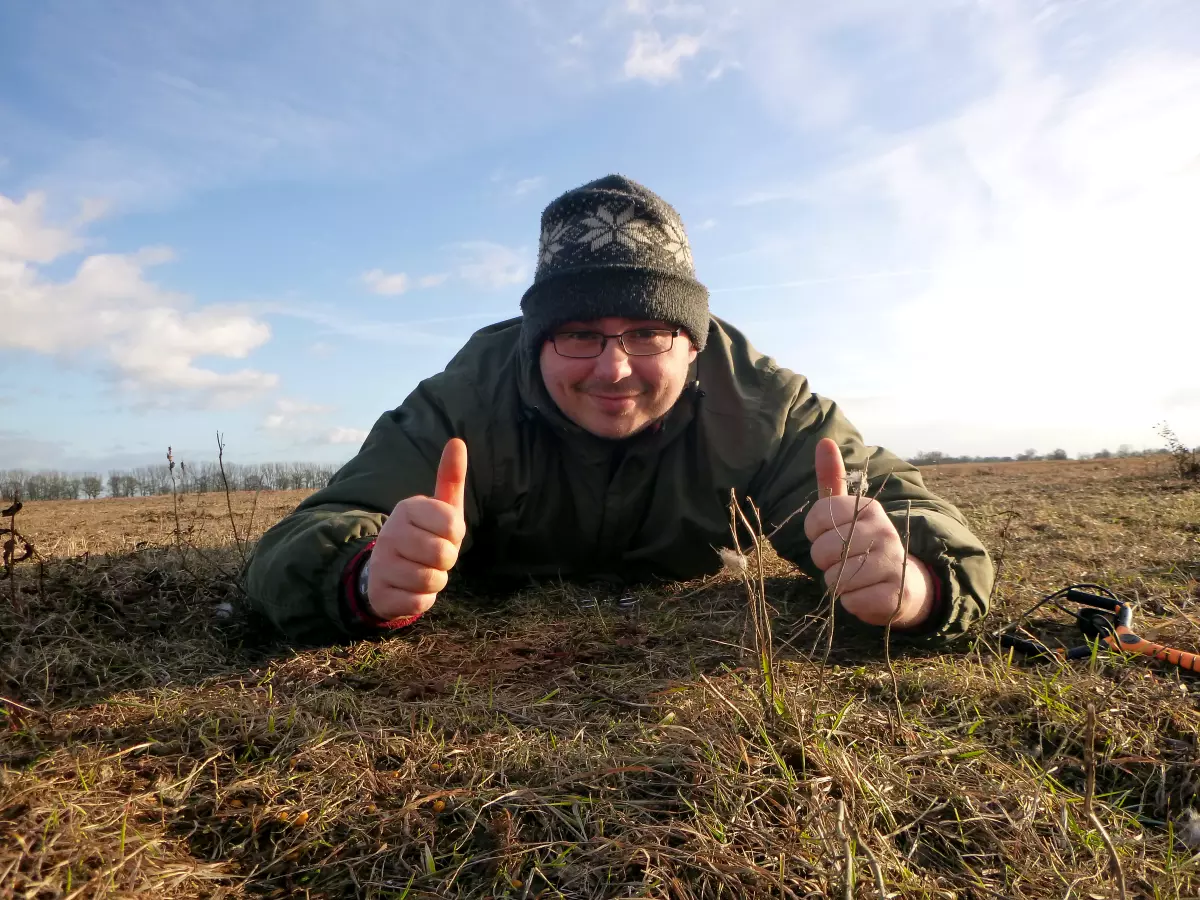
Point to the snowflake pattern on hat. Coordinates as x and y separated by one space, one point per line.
639 231
624 228
676 243
550 244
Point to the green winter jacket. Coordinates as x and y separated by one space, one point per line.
545 498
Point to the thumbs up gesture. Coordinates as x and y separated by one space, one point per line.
419 543
868 582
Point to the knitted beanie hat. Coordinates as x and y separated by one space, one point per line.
613 248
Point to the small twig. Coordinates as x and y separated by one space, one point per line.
8 550
1001 555
795 512
737 712
1063 836
1089 751
859 493
935 807
228 500
175 501
759 613
1113 859
887 631
873 862
847 852
1089 796
833 592
253 509
24 708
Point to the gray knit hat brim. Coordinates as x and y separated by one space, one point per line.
634 293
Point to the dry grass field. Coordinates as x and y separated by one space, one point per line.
155 739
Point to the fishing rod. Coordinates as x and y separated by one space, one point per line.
1104 617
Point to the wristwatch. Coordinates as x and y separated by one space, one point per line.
363 573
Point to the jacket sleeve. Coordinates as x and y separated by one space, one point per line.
938 536
294 574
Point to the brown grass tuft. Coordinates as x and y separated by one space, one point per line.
549 746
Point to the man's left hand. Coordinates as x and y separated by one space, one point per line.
868 582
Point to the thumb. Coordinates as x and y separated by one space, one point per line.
831 470
451 484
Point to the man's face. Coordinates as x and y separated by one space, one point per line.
615 395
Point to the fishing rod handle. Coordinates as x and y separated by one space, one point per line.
1123 611
1132 643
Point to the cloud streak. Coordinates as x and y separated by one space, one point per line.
379 282
393 284
489 265
145 117
653 59
306 423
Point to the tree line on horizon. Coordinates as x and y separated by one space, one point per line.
934 457
155 480
201 478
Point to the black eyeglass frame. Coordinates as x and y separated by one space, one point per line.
620 338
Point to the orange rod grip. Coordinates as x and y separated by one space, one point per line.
1130 642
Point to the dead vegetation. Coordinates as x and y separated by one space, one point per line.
157 740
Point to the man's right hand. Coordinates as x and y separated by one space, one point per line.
419 543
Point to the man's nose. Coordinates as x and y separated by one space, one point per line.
613 363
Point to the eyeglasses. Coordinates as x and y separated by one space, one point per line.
635 342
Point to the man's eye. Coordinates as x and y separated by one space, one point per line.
579 335
643 334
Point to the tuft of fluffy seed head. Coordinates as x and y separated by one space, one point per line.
856 481
1187 829
733 561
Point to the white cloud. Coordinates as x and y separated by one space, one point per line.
1060 223
292 415
491 265
342 435
391 285
526 185
380 282
333 321
91 209
26 238
665 9
299 421
148 338
511 186
720 69
656 61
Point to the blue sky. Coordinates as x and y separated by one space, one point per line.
974 224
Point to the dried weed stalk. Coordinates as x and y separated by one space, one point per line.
237 541
16 548
770 687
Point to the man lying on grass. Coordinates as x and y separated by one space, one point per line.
606 428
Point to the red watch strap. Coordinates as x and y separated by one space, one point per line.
358 609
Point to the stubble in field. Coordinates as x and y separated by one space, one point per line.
156 739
